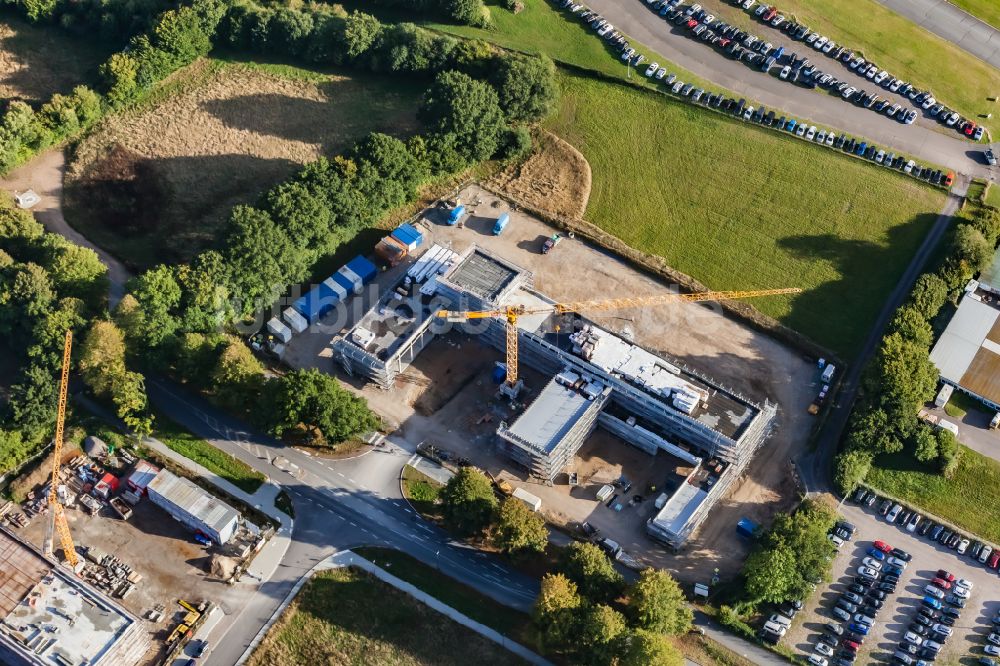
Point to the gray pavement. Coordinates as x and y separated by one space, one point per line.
949 22
974 432
925 142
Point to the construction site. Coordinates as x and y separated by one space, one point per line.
78 584
484 342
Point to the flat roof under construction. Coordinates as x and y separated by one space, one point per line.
679 508
483 275
48 617
551 415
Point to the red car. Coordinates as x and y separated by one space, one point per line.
949 178
994 560
946 575
969 129
883 546
942 583
770 14
852 646
692 24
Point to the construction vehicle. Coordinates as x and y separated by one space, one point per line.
57 517
550 243
511 313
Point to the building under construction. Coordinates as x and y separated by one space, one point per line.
598 378
49 616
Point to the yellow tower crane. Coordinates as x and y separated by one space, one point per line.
512 312
57 518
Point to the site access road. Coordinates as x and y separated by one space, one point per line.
338 505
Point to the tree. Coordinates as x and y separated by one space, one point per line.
77 271
262 259
102 357
238 376
556 609
872 431
204 305
910 323
314 401
908 376
129 395
771 574
360 31
289 31
649 649
971 246
158 296
26 295
470 110
929 294
949 452
468 502
600 631
925 444
392 160
586 565
471 12
14 450
49 331
657 603
32 403
195 358
519 529
850 469
526 87
305 215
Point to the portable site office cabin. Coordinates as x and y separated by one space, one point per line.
279 330
295 321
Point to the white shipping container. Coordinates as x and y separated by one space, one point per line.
533 503
943 396
828 373
294 320
279 330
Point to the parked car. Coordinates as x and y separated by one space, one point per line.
911 524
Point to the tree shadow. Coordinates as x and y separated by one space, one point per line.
848 306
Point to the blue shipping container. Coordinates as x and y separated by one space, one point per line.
746 528
315 304
352 277
364 268
344 282
501 224
408 235
456 215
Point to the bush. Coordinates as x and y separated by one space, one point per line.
468 502
850 469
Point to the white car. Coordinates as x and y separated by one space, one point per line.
896 562
913 639
801 129
928 103
934 591
835 540
748 113
848 91
985 553
605 29
824 649
961 592
830 138
809 136
708 19
994 638
896 85
785 71
911 524
911 115
819 43
962 582
880 157
963 545
871 562
991 650
652 68
661 72
868 573
943 629
817 660
909 166
747 4
813 36
881 76
821 137
893 110
830 45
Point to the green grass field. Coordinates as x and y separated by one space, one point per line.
739 206
970 499
344 616
992 196
985 10
219 462
960 404
958 80
422 491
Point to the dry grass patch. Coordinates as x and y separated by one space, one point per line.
156 184
556 178
345 616
36 62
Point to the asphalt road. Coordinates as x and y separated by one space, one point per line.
921 139
338 505
949 22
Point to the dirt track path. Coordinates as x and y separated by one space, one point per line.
44 175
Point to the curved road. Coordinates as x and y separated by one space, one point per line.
924 139
954 24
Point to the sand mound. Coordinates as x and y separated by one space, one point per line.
555 179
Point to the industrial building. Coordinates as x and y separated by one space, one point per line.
598 378
193 506
49 616
967 355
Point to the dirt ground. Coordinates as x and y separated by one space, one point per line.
700 337
556 179
160 549
32 69
224 134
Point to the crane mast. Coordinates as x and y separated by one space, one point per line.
57 517
511 313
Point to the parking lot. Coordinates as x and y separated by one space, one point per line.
971 627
